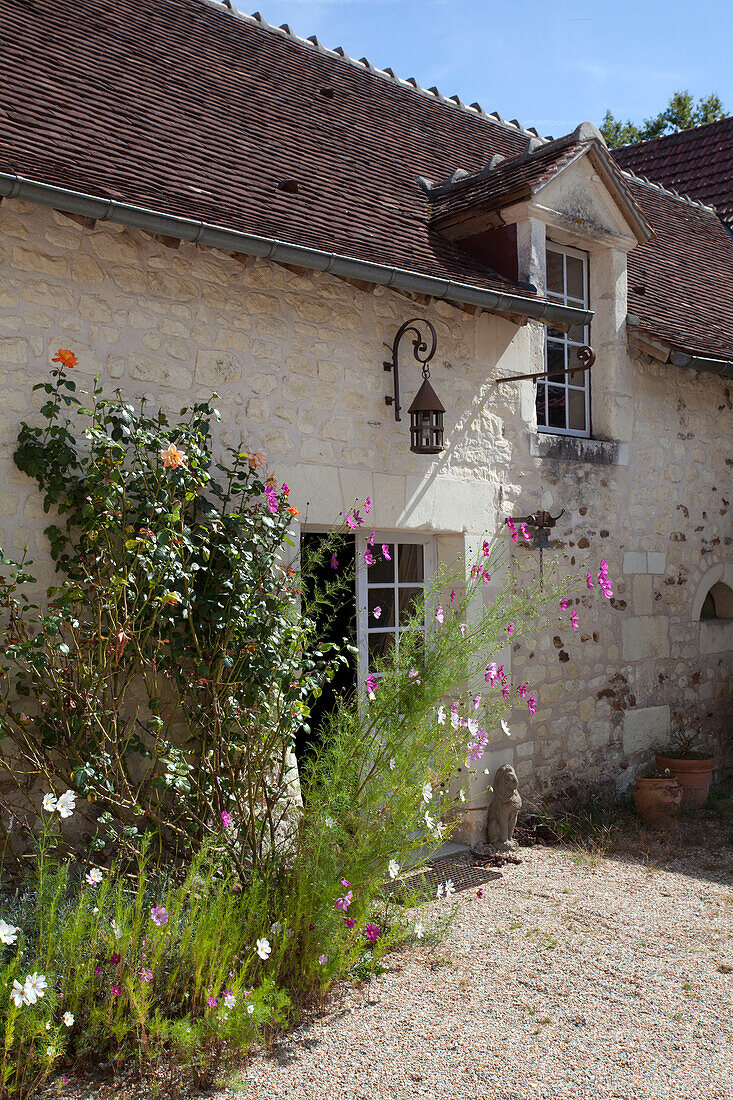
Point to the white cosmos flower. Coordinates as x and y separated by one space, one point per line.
48 1025
429 821
51 1052
472 726
66 804
394 868
276 927
392 763
18 994
230 1000
506 729
94 877
68 1018
427 792
250 1009
441 716
439 830
462 795
455 720
263 948
116 929
49 803
34 988
439 891
8 932
449 887
419 930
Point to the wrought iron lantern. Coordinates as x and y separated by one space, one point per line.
426 411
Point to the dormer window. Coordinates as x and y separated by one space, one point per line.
563 400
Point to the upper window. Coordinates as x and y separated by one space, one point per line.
563 400
388 589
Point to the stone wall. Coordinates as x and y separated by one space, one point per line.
297 359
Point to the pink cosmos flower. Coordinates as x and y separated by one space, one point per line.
368 505
385 551
439 614
510 523
377 612
523 691
476 702
322 960
212 1002
352 523
146 975
413 674
574 619
510 629
271 498
344 902
159 914
486 548
531 704
486 576
368 556
452 595
589 580
525 532
371 538
371 685
349 922
491 671
479 893
371 931
116 990
505 691
226 819
564 604
114 959
334 561
345 883
454 708
97 970
64 1079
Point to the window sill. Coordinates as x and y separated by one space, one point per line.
574 448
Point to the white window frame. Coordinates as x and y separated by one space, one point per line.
567 381
362 585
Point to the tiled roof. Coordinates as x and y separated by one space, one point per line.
187 108
680 281
697 162
506 181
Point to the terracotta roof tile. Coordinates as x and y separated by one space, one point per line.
185 107
697 162
680 281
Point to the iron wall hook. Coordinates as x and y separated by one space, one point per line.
423 349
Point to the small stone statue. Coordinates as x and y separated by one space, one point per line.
503 809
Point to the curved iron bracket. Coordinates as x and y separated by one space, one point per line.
585 354
423 349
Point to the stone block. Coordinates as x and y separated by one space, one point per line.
216 368
635 562
642 594
161 371
656 562
645 636
643 727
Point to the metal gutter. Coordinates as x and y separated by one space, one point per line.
76 202
722 367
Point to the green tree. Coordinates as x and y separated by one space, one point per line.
681 113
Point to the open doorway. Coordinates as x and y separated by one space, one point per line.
337 625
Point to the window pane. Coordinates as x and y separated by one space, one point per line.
576 333
556 406
380 645
384 599
554 272
410 562
382 571
576 410
541 403
410 600
575 277
556 359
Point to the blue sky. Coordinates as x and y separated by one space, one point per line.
548 63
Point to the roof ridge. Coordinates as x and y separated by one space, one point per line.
364 64
666 190
675 133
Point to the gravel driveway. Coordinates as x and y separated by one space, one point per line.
572 977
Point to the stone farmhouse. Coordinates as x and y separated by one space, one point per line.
196 200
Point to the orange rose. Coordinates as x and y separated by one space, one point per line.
172 457
66 358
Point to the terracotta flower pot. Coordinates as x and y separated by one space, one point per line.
658 801
694 775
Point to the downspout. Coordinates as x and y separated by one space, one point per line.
75 202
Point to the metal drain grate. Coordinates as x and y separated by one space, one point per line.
464 871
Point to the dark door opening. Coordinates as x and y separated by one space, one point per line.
335 624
